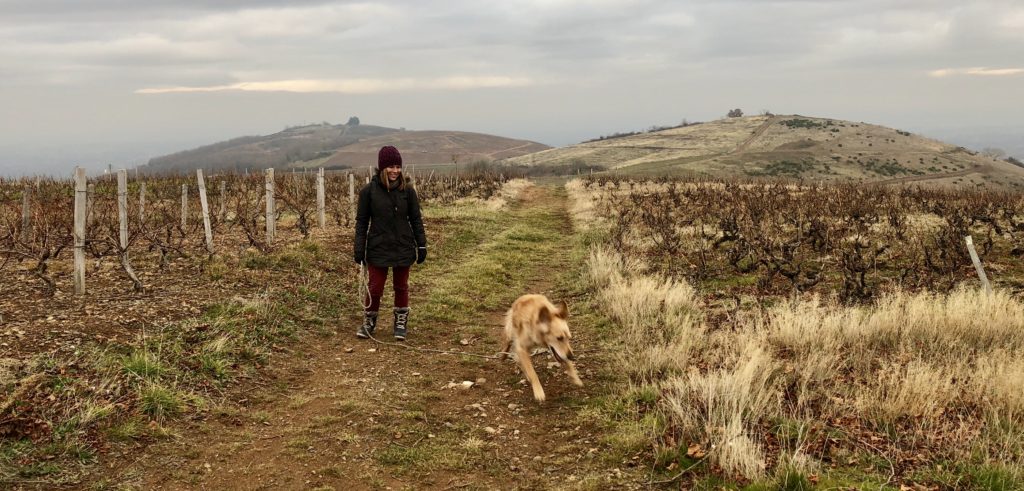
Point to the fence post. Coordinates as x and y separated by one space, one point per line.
321 216
206 210
977 264
271 210
351 194
122 206
81 202
26 214
184 206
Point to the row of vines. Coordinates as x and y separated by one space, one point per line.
776 238
165 219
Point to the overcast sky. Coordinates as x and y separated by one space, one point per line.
119 81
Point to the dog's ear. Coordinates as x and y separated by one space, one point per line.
544 317
562 310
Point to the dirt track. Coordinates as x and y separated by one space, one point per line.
341 413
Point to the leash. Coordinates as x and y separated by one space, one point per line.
363 286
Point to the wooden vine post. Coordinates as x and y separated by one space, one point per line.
184 207
81 202
122 220
321 215
271 210
122 207
206 211
977 264
352 194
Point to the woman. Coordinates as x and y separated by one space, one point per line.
389 234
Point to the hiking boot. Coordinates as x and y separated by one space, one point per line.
401 318
369 325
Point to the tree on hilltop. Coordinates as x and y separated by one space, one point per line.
735 113
353 121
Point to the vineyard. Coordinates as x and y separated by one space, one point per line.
730 334
165 217
800 336
776 239
153 244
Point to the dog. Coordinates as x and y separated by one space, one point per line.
535 322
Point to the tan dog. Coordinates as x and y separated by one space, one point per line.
534 322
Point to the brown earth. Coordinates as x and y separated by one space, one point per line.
111 313
335 412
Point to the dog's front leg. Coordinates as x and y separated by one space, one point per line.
531 375
570 370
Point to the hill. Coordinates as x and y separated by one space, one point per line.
788 146
434 147
342 146
277 150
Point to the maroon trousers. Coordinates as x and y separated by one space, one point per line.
400 281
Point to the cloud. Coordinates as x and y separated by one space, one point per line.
354 86
977 71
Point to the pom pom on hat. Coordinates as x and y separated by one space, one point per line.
387 157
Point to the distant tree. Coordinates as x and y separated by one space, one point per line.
766 112
353 121
996 153
1015 161
735 113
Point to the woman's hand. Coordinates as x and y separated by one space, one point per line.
421 254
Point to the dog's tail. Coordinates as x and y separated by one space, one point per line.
506 336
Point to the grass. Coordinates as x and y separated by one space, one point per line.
143 364
914 370
159 402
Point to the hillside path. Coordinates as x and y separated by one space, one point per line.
342 413
755 135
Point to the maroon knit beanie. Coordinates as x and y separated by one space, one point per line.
387 157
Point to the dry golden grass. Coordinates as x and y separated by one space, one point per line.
659 318
509 191
939 370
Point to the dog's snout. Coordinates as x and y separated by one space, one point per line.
571 356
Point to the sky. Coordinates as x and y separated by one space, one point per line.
115 82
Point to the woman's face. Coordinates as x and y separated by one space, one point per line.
393 172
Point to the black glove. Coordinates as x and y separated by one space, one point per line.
360 259
421 254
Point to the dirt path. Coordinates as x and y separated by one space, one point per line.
757 134
340 413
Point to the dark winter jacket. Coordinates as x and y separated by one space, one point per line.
389 226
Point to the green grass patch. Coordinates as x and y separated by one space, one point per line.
160 402
143 364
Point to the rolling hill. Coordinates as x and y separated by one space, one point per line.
342 146
434 147
788 146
